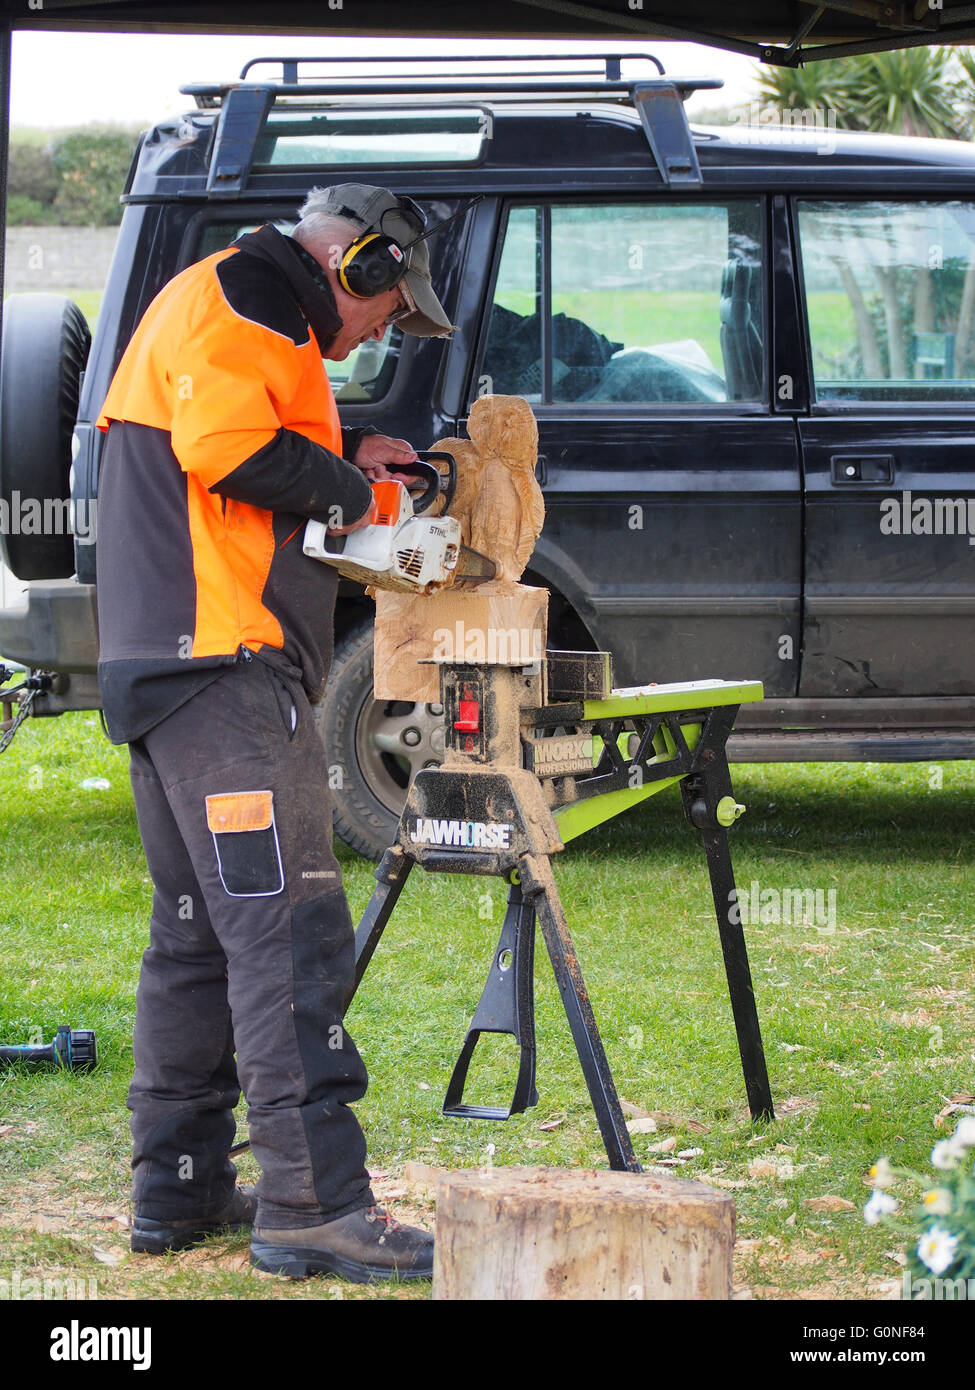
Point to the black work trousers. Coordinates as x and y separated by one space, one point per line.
251 952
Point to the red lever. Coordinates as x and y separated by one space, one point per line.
470 717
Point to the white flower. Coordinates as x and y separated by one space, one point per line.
946 1153
879 1205
936 1249
881 1174
964 1134
938 1201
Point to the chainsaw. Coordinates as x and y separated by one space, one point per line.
401 548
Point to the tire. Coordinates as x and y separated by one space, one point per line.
43 354
374 747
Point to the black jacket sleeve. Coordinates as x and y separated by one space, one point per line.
294 474
352 438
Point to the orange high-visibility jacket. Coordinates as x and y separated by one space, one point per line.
223 439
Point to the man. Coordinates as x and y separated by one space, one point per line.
216 636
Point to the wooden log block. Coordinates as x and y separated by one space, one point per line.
505 628
540 1234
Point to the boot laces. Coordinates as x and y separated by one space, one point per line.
381 1214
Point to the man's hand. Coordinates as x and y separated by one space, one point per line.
354 525
378 455
374 456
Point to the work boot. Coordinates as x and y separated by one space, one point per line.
151 1237
365 1246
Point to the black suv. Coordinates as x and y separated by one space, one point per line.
750 350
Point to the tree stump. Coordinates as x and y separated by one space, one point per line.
536 1233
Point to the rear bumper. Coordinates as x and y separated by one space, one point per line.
56 630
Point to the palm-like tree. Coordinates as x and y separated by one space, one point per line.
819 87
907 92
963 90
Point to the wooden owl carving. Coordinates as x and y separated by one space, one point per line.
498 501
470 465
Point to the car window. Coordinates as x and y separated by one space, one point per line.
637 303
367 373
318 138
890 299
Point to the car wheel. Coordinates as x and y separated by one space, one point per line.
374 747
43 354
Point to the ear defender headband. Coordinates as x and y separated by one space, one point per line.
375 262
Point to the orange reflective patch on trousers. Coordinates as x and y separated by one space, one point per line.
245 839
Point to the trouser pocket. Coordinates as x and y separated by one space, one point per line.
245 839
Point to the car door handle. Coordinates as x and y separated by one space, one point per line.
862 468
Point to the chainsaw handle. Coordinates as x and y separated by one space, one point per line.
451 487
429 474
435 486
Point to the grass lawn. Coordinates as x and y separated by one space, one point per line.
867 1020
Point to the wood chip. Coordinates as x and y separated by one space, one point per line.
635 1112
956 1106
666 1119
106 1257
666 1146
645 1125
239 1262
829 1202
793 1104
762 1168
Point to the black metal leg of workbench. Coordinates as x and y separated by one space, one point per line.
538 885
393 871
739 975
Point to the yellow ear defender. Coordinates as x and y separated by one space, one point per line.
371 265
375 263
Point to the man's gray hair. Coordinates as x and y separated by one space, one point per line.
316 226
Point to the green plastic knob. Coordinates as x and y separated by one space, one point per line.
728 810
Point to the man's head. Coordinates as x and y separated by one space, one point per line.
331 220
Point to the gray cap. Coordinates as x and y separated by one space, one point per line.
376 209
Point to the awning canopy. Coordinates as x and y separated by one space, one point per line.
784 32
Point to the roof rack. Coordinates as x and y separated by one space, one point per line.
520 76
659 101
